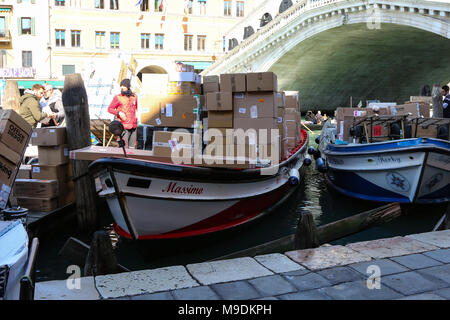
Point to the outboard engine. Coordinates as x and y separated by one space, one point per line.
294 177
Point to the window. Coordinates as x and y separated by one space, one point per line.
68 69
201 43
224 43
202 7
114 4
100 39
159 6
159 39
239 8
187 42
27 60
75 3
227 7
145 6
3 63
189 4
60 38
25 25
100 4
2 27
60 3
114 40
75 37
145 40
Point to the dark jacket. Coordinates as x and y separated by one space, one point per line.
446 106
29 109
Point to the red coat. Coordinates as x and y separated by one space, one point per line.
127 105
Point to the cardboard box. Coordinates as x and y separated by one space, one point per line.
7 172
53 156
255 105
50 172
210 134
352 112
424 99
416 110
233 82
220 119
280 100
425 132
38 204
24 172
48 136
9 154
178 111
260 123
219 101
181 151
211 84
231 150
262 81
149 109
292 102
35 188
164 138
12 134
180 88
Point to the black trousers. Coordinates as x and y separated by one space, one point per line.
130 138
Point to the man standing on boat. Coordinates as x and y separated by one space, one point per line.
29 106
446 102
124 107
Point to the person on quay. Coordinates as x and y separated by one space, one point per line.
124 107
30 108
446 102
53 103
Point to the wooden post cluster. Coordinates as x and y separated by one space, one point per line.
76 108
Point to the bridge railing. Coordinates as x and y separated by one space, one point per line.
279 22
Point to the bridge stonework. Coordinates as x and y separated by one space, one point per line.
307 18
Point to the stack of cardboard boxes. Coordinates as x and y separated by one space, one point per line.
14 137
184 81
47 185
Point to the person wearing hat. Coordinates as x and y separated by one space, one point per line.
124 107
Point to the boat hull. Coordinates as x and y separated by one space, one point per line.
406 171
175 201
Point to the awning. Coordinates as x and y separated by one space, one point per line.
198 65
27 84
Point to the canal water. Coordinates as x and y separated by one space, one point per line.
313 195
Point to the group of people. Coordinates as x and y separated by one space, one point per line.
42 105
317 118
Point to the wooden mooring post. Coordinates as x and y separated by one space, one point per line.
309 236
76 108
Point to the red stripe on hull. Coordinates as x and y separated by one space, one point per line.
240 213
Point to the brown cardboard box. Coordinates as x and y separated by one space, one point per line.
178 111
292 102
38 204
292 114
281 100
182 151
255 105
233 82
7 172
48 172
416 109
424 99
9 154
149 109
163 138
262 81
352 112
24 172
36 188
292 129
211 79
425 132
180 88
225 133
230 150
211 84
53 155
220 119
13 136
219 101
260 123
48 136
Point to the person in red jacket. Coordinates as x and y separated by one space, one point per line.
124 107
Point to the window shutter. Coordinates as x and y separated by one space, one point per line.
19 25
33 29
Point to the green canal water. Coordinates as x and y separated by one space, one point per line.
313 196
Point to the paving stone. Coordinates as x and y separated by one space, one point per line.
416 261
358 290
300 272
308 281
227 270
442 255
196 293
386 267
278 263
439 239
390 247
409 283
145 281
238 290
440 272
153 296
444 293
423 296
58 290
267 298
340 274
318 294
272 285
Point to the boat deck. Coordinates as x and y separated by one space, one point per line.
38 223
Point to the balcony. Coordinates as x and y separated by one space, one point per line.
5 36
